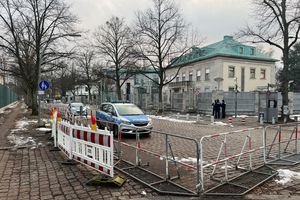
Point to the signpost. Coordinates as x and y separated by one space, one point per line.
43 85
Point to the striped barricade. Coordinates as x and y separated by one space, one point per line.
88 147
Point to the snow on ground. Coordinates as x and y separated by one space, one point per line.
44 129
220 124
170 119
20 140
293 116
286 176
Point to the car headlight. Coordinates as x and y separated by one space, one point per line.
150 122
125 122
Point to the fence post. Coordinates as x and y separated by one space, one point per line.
264 144
296 139
167 159
71 142
279 142
225 155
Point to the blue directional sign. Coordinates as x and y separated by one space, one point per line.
44 85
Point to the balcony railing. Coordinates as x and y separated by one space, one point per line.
180 84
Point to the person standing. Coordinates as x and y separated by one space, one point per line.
218 107
223 108
214 108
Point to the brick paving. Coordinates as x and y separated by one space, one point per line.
38 174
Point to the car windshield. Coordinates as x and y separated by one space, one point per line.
128 109
76 105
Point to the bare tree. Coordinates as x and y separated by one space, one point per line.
278 24
86 61
32 35
161 36
114 40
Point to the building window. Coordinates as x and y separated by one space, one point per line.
86 89
231 71
231 89
252 51
206 89
198 75
241 50
207 74
177 78
191 76
252 73
183 77
262 74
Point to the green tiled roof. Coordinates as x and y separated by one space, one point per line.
228 47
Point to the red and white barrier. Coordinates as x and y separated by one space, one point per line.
93 148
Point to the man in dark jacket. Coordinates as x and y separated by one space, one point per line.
223 107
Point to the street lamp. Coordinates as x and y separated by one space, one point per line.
41 53
235 99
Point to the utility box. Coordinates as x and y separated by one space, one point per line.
268 104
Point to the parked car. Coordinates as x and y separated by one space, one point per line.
76 107
128 116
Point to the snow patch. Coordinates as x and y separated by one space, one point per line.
20 140
44 129
170 119
286 176
219 124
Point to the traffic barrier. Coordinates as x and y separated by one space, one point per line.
281 144
165 155
231 154
93 148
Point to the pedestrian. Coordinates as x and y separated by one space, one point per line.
214 108
223 107
217 110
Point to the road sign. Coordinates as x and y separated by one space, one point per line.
40 92
44 85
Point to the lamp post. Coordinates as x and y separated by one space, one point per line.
41 53
235 99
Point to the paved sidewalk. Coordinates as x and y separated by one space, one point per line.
38 174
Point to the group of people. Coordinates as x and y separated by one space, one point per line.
217 107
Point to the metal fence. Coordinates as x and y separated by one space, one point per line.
7 96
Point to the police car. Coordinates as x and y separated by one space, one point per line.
127 116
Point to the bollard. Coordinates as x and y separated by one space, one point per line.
177 116
187 116
243 120
296 118
261 120
212 119
230 120
285 119
273 120
198 118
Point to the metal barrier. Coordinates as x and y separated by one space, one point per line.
91 148
159 165
281 144
239 151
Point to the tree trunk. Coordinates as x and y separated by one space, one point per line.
118 91
160 100
34 103
285 83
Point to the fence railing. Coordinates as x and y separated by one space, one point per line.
7 96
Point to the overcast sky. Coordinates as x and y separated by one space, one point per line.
211 18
